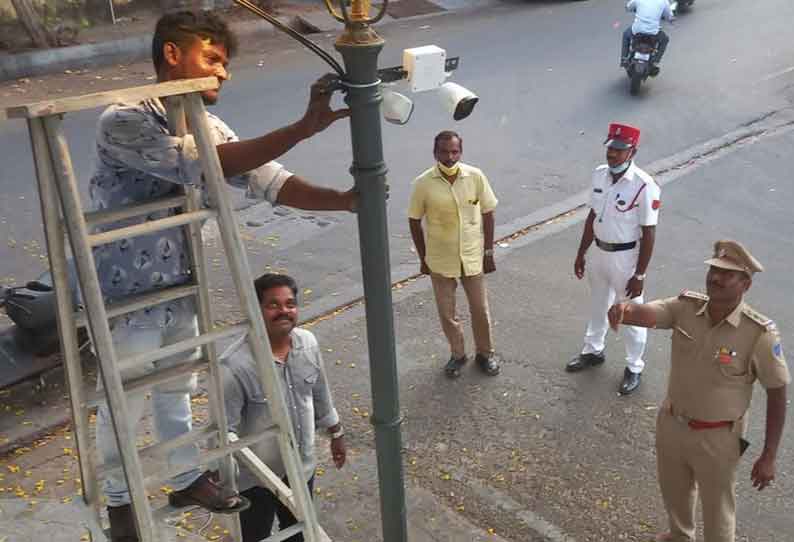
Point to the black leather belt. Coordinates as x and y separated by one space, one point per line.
614 247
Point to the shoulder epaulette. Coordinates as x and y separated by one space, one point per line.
689 294
758 318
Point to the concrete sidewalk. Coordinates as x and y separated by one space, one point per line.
534 454
136 48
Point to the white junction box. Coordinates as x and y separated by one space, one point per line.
425 67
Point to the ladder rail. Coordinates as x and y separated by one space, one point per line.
62 213
98 324
177 125
67 327
257 338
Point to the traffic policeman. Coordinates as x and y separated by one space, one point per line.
720 347
624 211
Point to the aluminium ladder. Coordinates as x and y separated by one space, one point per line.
62 214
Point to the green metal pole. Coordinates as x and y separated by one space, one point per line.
360 48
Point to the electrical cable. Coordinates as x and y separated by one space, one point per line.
293 34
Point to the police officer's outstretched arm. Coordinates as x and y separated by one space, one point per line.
632 314
584 244
764 468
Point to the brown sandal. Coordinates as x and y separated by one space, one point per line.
207 493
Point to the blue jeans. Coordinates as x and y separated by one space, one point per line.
662 40
170 402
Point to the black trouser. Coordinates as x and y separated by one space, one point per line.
662 40
257 521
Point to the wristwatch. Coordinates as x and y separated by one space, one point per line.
488 252
339 433
639 276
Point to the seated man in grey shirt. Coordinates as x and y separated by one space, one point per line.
299 364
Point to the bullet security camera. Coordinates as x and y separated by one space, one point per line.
458 100
425 69
396 107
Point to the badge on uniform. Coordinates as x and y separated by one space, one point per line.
777 351
725 355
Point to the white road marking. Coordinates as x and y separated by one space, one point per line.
778 74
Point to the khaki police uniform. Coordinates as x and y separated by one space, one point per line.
713 368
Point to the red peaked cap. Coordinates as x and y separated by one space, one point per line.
622 136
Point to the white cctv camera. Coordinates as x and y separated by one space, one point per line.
396 108
458 100
425 68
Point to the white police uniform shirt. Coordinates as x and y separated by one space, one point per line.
648 15
623 207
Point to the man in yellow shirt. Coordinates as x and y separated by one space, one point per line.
457 205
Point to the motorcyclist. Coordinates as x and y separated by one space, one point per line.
647 20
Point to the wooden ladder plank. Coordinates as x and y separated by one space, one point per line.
70 104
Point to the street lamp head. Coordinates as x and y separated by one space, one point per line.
458 100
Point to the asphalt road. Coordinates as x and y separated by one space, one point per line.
542 455
549 83
534 450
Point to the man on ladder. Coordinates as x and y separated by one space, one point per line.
139 160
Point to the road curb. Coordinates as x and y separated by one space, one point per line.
95 55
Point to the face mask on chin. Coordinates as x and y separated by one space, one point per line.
620 168
451 171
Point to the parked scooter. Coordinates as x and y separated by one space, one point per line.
32 308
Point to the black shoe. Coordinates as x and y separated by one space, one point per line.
207 493
624 62
631 381
655 69
454 365
122 524
585 361
488 364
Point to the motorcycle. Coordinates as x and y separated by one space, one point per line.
639 67
32 308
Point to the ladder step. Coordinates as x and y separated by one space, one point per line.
93 397
182 346
152 226
142 301
158 450
286 533
98 218
163 471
